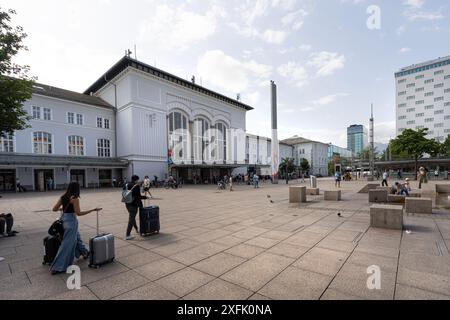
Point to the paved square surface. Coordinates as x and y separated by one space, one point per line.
246 244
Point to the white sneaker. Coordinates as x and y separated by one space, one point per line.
129 238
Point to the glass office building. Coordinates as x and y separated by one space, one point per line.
357 138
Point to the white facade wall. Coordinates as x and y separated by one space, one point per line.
143 104
60 129
423 98
286 151
316 154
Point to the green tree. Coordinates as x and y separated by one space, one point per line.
365 153
304 165
331 168
286 167
414 144
445 147
15 85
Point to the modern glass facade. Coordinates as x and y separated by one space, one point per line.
342 152
357 138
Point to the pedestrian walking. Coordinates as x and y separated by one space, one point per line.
134 205
146 186
71 246
384 183
337 179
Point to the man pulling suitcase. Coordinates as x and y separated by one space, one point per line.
132 197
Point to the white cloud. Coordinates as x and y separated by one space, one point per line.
294 19
274 36
384 131
327 63
252 10
294 72
229 73
305 47
430 16
404 50
270 36
353 1
326 100
401 30
284 4
174 27
414 3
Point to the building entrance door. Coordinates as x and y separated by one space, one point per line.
105 178
42 178
78 176
7 180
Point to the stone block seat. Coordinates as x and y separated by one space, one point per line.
313 191
443 188
332 195
396 199
368 187
415 194
297 194
378 195
419 205
386 216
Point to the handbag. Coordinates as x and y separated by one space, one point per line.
57 227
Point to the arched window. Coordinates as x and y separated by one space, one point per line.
178 136
42 142
201 139
76 145
6 142
221 140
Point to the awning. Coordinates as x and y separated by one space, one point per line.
20 159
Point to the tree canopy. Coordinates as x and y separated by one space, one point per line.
15 84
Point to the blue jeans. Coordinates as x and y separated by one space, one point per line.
404 191
71 246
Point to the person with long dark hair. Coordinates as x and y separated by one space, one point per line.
71 246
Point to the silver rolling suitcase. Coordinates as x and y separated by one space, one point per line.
101 248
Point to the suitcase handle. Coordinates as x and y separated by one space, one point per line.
98 232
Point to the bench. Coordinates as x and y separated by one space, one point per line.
443 188
378 195
334 195
386 216
418 205
312 191
388 189
415 194
396 199
368 187
297 194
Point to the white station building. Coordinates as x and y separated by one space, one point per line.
126 123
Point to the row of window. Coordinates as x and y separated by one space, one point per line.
427 107
43 144
409 110
424 68
72 118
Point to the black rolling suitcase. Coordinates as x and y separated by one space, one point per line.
149 220
51 246
101 248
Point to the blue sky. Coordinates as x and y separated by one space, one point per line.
328 65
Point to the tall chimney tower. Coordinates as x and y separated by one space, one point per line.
275 146
372 143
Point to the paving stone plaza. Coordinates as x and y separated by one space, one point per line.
246 244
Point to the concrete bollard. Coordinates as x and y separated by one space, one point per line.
297 194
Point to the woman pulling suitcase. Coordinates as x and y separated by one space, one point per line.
71 245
